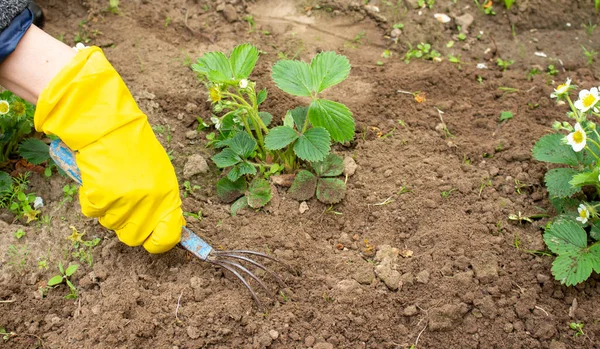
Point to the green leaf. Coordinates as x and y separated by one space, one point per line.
506 115
595 231
71 269
313 145
215 66
299 115
331 166
265 117
279 137
226 157
330 190
243 59
557 180
508 3
242 144
228 191
241 169
551 148
288 120
60 268
262 96
564 204
334 117
584 178
293 77
328 69
304 186
575 267
55 280
259 193
6 182
238 205
565 236
34 151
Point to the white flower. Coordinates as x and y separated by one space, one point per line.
577 138
243 83
216 121
584 214
4 107
79 47
38 202
561 89
587 99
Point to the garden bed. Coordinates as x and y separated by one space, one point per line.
420 252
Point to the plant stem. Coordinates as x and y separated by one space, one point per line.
590 150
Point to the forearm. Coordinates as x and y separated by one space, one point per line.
36 60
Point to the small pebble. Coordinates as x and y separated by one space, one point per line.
274 334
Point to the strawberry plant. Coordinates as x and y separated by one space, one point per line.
253 146
574 188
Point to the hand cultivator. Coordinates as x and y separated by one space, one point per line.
230 260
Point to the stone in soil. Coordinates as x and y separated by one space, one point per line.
350 166
194 165
390 277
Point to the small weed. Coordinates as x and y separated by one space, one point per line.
330 210
113 6
398 26
589 27
69 192
43 264
85 35
167 22
446 194
63 277
504 64
189 188
197 216
46 220
357 40
461 37
520 218
20 233
589 54
506 115
403 190
251 23
532 72
551 70
426 3
17 257
578 327
423 51
485 182
480 79
517 241
456 60
82 249
327 298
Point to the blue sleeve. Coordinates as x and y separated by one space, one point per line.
11 35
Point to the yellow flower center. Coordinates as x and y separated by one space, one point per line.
18 108
583 213
560 88
578 137
4 107
215 94
589 100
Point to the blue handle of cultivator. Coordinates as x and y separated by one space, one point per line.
64 157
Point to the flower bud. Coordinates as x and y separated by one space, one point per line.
243 83
556 126
218 108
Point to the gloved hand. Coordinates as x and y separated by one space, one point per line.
128 180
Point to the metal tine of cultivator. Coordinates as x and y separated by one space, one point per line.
230 254
239 276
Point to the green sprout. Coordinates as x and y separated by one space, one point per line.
63 277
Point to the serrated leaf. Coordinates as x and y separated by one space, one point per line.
243 59
71 269
550 148
313 145
226 158
299 115
330 190
35 151
335 117
239 170
328 69
565 236
6 182
215 66
261 96
242 144
288 120
259 193
584 178
228 191
563 204
304 186
331 166
572 268
238 205
279 137
557 182
595 230
266 118
293 77
55 280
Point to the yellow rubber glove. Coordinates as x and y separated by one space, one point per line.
128 180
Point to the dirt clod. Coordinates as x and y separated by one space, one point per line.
195 164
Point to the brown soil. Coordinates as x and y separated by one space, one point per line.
472 280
